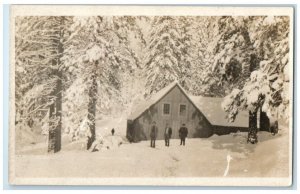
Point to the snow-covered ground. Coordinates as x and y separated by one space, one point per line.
199 158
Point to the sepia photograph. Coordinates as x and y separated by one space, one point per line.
151 95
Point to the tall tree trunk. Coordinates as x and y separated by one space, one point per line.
55 112
252 133
92 111
253 128
52 140
54 143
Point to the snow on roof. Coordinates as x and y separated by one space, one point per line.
209 106
139 109
213 111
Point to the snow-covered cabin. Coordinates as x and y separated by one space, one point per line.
203 116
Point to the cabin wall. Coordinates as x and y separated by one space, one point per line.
223 130
264 122
197 124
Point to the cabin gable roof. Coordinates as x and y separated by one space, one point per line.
209 107
146 104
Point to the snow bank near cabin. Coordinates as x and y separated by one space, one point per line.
106 143
26 136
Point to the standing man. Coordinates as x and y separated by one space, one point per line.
112 131
168 134
153 134
183 132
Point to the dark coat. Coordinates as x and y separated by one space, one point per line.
183 132
169 133
153 132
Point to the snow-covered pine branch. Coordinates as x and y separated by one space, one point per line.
267 88
95 69
39 43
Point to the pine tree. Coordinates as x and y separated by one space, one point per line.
96 55
271 39
267 87
168 58
38 58
203 80
232 52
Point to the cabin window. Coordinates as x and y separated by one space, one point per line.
182 110
166 109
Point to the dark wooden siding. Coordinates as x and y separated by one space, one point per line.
264 122
223 130
195 121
